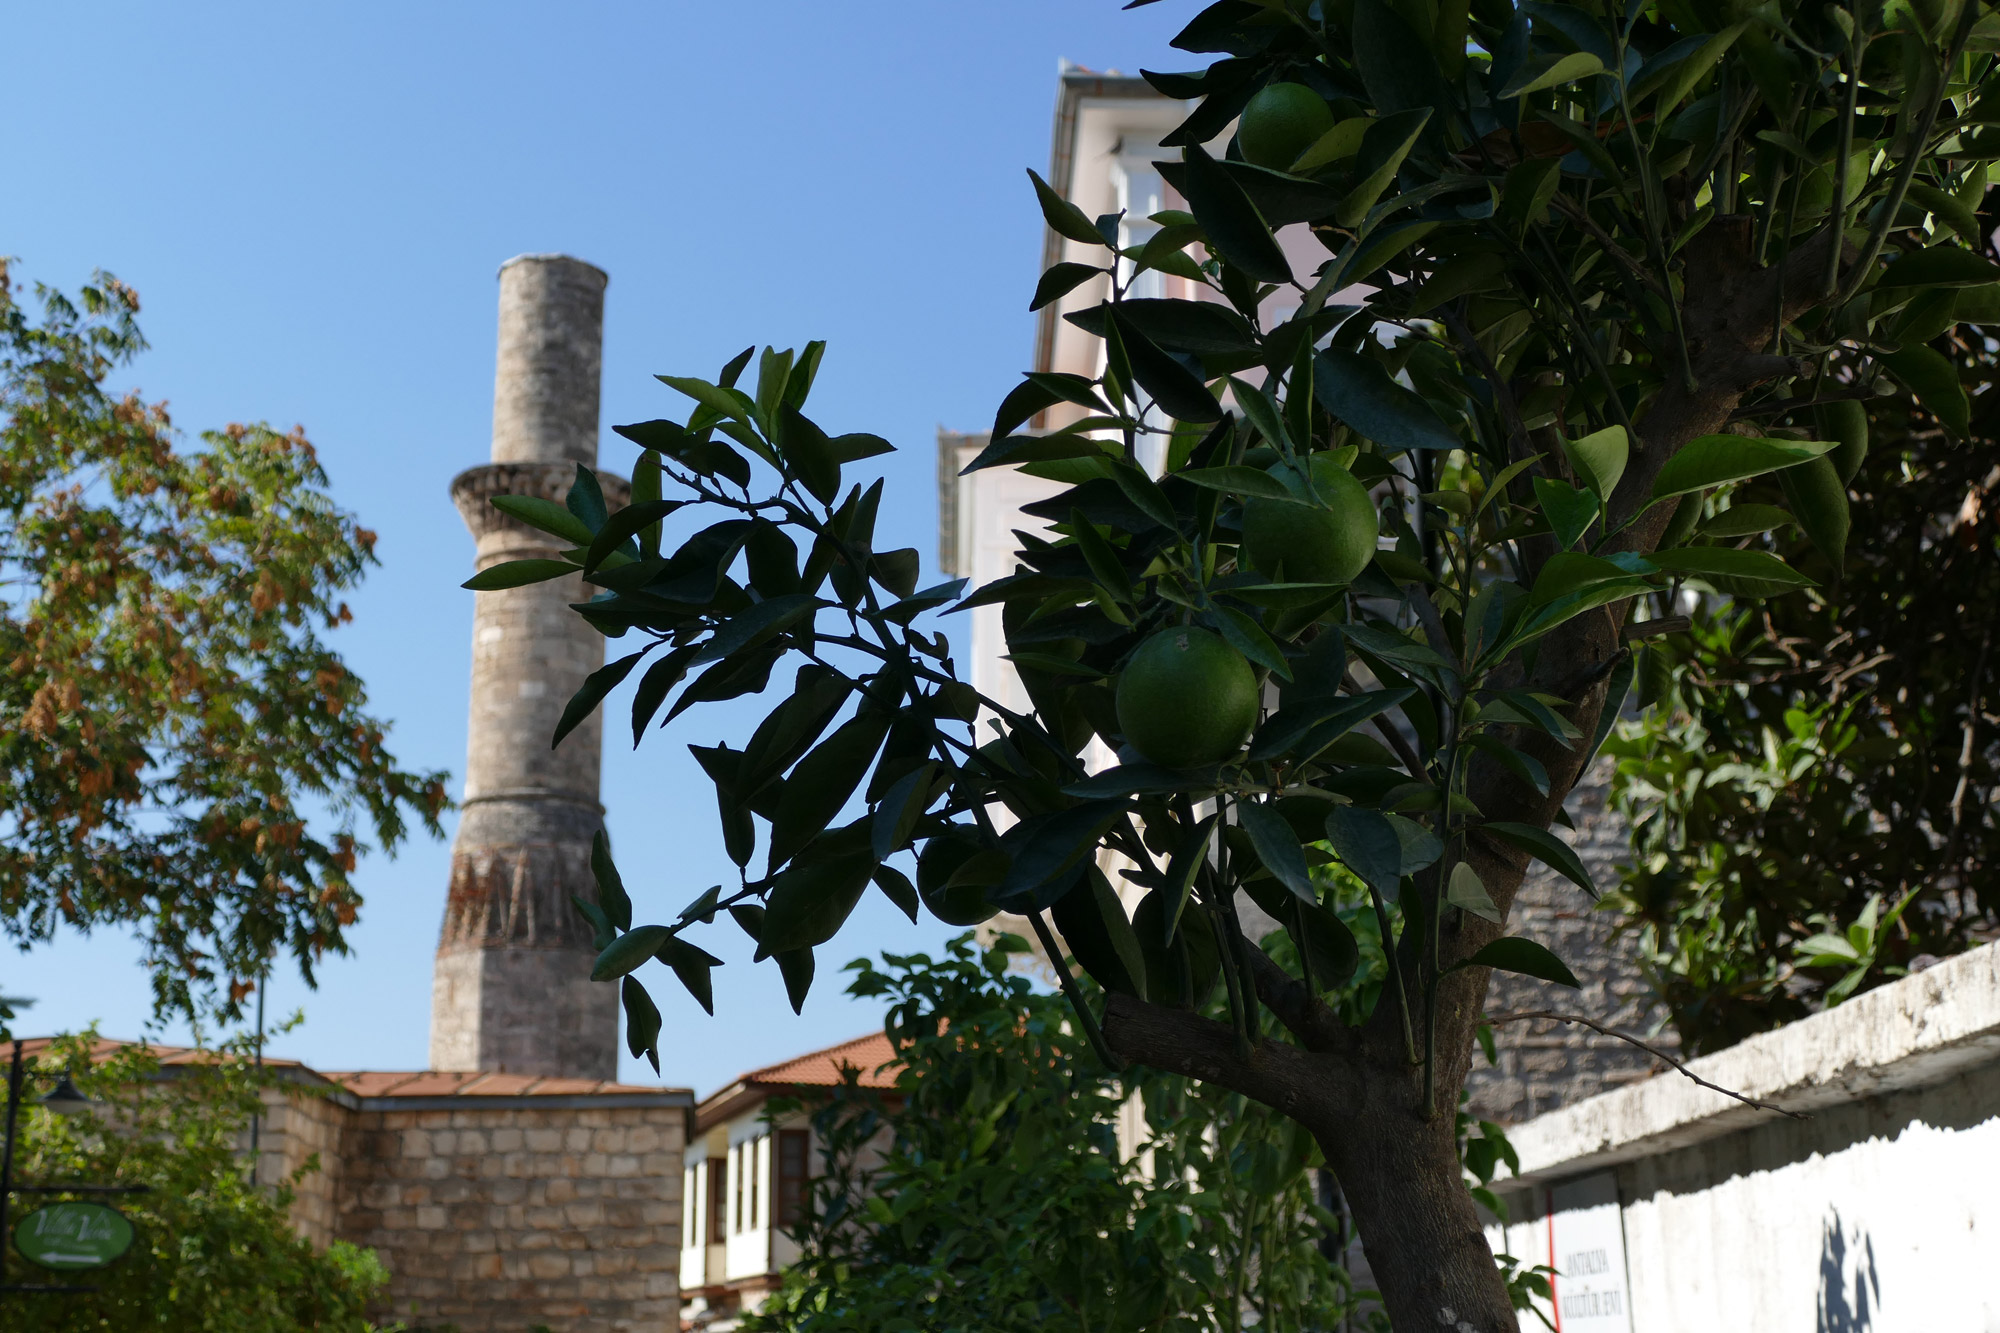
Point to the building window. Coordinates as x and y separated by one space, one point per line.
718 1201
792 1147
753 1153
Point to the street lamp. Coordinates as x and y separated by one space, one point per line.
67 1099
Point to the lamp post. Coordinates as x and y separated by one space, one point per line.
65 1099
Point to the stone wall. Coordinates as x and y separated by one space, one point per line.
493 1214
506 1217
1544 1065
301 1123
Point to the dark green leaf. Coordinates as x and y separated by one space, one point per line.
1394 61
1060 281
1048 848
586 499
896 885
1935 382
622 527
1512 953
857 445
810 901
1551 71
1314 724
1739 573
642 1021
1359 392
796 966
1099 936
1367 843
810 454
1178 390
1940 266
1065 218
1238 481
611 895
1710 460
822 782
1232 223
1547 848
1203 328
1383 147
1277 847
902 805
758 623
1569 509
517 574
591 693
544 515
628 952
692 964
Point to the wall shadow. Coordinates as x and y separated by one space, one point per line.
1848 1299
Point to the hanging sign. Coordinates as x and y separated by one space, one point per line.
73 1236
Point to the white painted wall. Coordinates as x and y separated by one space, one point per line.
1879 1214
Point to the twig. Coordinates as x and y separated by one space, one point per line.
1389 733
1648 1047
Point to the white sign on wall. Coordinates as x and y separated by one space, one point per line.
1586 1233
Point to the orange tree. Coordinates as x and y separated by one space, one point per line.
1585 268
180 751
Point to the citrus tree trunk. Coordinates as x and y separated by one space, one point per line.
1402 1180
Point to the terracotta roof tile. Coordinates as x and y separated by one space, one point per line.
390 1082
823 1069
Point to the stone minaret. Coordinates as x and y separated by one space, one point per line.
511 990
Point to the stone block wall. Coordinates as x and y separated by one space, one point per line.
501 1218
1545 1065
299 1124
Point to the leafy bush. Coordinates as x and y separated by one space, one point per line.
989 1190
1814 810
215 1252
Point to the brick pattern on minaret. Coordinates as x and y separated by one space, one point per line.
511 989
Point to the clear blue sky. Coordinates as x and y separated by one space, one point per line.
312 202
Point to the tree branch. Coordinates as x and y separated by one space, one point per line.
1314 1090
1648 1047
1298 1008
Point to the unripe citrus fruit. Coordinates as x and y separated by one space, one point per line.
1327 541
1186 698
953 904
1281 122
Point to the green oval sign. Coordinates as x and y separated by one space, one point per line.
72 1236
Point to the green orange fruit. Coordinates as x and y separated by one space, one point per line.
1330 540
962 904
1280 123
1186 698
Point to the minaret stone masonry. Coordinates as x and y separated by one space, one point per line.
511 989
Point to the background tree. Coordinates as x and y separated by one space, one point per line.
214 1250
1813 808
990 1191
179 750
1597 242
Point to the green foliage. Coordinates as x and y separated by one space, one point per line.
1597 242
989 1190
1830 759
215 1253
168 711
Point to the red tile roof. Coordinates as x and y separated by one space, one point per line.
388 1083
452 1083
823 1069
